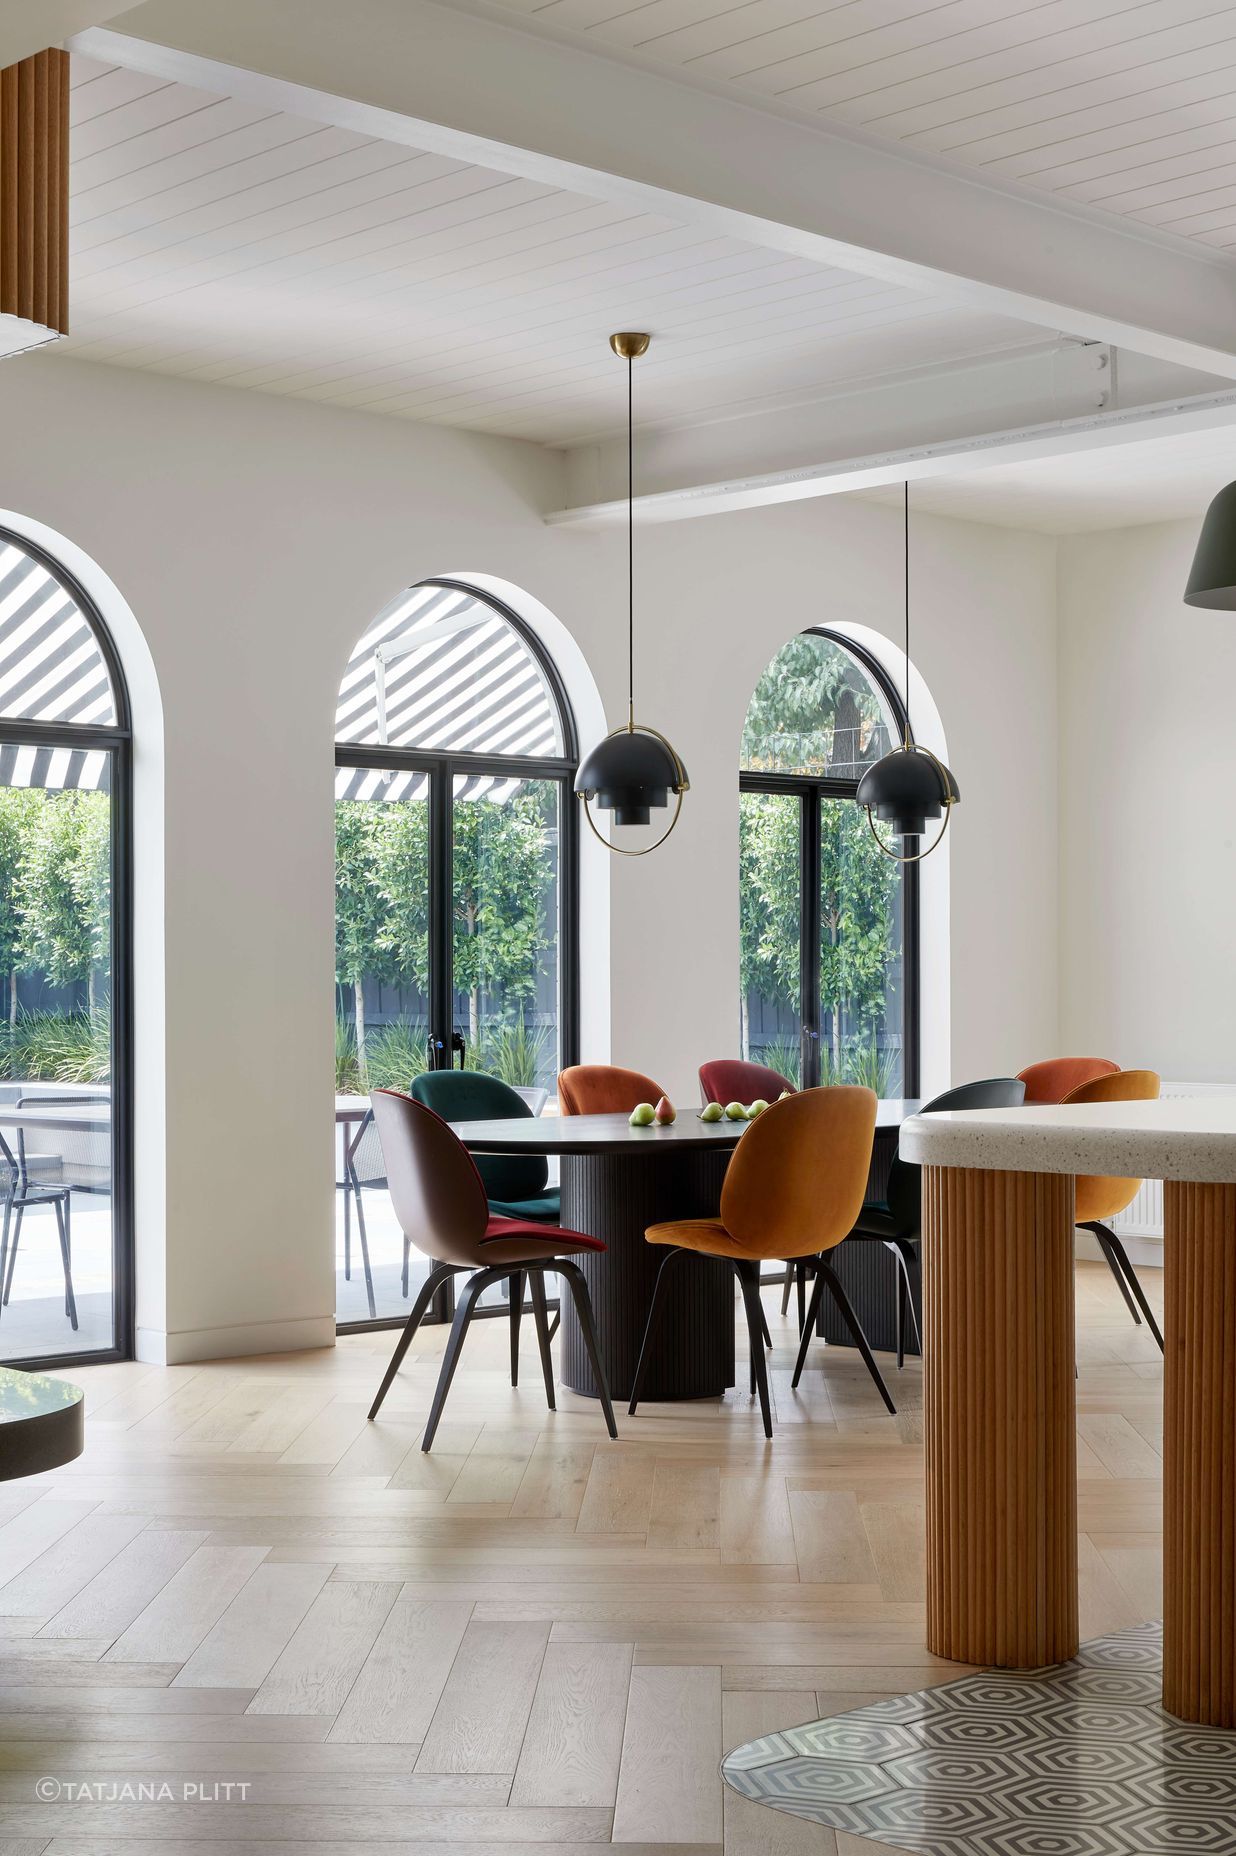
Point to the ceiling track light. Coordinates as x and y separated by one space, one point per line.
635 767
911 786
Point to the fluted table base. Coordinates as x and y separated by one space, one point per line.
1000 1415
1199 1453
616 1196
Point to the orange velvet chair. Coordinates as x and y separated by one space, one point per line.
603 1089
734 1079
793 1189
1052 1080
1100 1198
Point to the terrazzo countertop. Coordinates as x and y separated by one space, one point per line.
1190 1138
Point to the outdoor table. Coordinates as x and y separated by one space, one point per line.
998 1278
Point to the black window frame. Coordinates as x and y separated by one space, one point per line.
443 769
115 739
811 790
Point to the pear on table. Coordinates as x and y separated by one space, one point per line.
712 1111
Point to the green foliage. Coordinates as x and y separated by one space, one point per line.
60 883
18 805
783 1054
813 711
397 1053
519 1054
57 1047
501 891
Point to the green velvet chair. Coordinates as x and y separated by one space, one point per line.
515 1184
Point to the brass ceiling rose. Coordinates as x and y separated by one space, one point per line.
629 345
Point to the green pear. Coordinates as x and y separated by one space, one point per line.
735 1111
712 1111
642 1115
756 1108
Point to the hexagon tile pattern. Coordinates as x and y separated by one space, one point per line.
1079 1760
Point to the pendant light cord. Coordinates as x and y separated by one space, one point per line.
630 544
909 730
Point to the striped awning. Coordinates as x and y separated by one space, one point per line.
51 670
457 678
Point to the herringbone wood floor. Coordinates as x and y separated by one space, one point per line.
533 1640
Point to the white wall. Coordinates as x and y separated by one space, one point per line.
253 538
1148 761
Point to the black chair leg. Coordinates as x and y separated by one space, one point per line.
63 1214
829 1275
574 1279
788 1285
464 1308
1122 1269
429 1288
515 1296
540 1314
910 1294
656 1308
14 1239
364 1244
813 1310
748 1275
555 1323
1099 1232
4 1245
347 1227
800 1277
765 1336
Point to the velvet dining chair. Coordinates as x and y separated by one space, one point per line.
1100 1199
439 1200
604 1089
1051 1080
793 1188
735 1079
516 1185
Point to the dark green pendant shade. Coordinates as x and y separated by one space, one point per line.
1212 579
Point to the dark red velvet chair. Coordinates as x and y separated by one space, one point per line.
733 1079
439 1200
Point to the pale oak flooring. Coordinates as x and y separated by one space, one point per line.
532 1641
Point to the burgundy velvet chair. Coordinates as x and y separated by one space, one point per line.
733 1079
439 1200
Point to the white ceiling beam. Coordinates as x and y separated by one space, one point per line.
947 458
455 83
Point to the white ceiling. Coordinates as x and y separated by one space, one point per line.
223 241
1125 105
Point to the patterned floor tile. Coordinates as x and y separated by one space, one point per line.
1075 1761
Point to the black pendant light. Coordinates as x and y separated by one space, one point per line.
634 768
910 787
1212 578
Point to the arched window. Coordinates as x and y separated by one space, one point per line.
65 1235
456 907
828 948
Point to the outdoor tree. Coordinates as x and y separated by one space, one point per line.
361 907
401 845
501 871
813 711
17 807
64 899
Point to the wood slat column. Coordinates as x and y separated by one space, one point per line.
34 190
1199 1453
999 1390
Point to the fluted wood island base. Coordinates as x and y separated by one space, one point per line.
1001 1437
1001 1465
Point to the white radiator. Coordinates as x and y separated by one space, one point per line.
1144 1217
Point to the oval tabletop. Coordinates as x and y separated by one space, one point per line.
41 1423
1189 1138
613 1135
